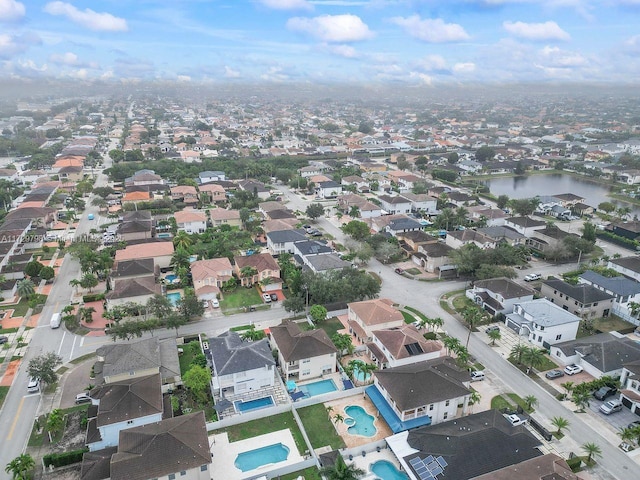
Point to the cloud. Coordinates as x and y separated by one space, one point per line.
274 74
133 68
287 4
10 10
183 79
332 28
431 30
467 67
230 72
70 59
104 22
11 45
557 58
346 51
536 31
432 62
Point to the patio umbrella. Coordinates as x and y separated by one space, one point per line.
222 405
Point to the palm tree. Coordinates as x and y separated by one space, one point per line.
472 316
451 344
55 422
474 398
568 386
88 281
337 418
180 258
436 323
517 352
494 335
182 241
627 434
20 466
533 357
329 410
341 471
25 288
592 450
530 401
581 399
560 423
367 369
252 334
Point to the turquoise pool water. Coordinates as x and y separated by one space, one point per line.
364 422
386 470
318 388
361 376
171 278
253 404
259 457
174 297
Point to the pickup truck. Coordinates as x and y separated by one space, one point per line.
515 419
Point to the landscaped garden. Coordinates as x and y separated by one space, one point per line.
240 297
319 428
197 378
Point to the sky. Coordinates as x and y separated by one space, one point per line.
412 42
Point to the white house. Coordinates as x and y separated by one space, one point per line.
627 266
543 322
211 176
191 221
328 189
524 225
240 366
498 295
393 347
395 204
421 202
281 241
623 289
630 386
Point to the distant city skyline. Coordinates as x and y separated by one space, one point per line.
419 42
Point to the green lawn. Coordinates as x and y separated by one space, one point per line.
240 297
461 302
408 317
265 425
3 394
8 330
499 402
421 315
20 308
319 428
331 326
187 355
515 398
413 271
310 473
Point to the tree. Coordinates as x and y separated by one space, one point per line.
32 269
159 306
318 313
89 281
354 211
314 211
581 399
494 335
180 258
294 304
451 344
560 423
589 232
533 357
517 353
524 206
356 229
197 380
182 241
364 253
47 273
403 164
43 367
25 288
472 316
530 401
341 471
453 158
485 153
338 418
387 251
189 306
20 466
116 155
592 450
252 334
607 207
55 422
343 343
502 201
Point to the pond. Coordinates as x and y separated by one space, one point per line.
553 184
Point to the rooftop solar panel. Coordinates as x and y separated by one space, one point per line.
443 463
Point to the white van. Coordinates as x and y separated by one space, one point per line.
55 321
33 386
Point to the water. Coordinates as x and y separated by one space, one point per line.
253 404
364 422
163 235
174 297
172 278
554 184
361 376
386 470
318 388
259 457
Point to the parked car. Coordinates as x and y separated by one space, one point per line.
215 303
635 424
532 277
492 328
3 339
604 392
399 271
266 297
82 398
573 369
477 376
611 406
274 297
515 419
33 385
551 374
626 447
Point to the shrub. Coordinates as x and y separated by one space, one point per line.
430 336
574 463
93 297
64 458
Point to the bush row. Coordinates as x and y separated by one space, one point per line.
93 297
64 458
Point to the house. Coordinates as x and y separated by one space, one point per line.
303 354
403 224
545 467
282 241
144 177
548 238
310 171
368 315
582 209
122 361
630 386
255 187
524 225
445 448
209 275
137 225
603 354
433 257
128 269
492 217
629 229
213 193
393 347
543 322
170 448
423 393
137 290
360 184
240 366
211 176
366 209
185 193
583 300
395 204
421 202
499 295
568 200
122 404
191 221
460 199
263 264
502 234
328 189
222 216
136 197
321 263
627 266
411 241
160 252
304 248
266 207
280 224
623 289
459 238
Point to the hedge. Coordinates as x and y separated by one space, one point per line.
93 297
574 464
64 458
619 240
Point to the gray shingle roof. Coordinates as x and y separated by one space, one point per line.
604 351
630 263
312 247
583 293
621 286
326 262
295 344
285 236
231 354
505 287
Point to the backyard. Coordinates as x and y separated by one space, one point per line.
240 297
319 428
330 326
192 355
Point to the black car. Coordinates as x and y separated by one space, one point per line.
274 297
3 339
604 392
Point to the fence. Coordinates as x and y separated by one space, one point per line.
247 416
624 314
277 472
349 453
327 397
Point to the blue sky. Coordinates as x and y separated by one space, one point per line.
413 42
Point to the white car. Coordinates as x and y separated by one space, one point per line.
573 369
215 303
532 277
266 297
515 419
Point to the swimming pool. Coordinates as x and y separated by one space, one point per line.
259 457
385 470
163 235
363 421
361 376
242 406
174 297
171 278
318 388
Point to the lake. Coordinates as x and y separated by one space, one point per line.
554 184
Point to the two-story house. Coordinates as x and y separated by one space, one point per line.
548 238
128 269
630 386
184 193
211 176
582 300
543 322
222 216
502 234
282 241
240 366
264 266
161 253
459 238
191 221
136 225
328 189
524 225
366 316
623 289
303 354
421 202
209 275
392 205
366 209
627 266
393 347
498 295
213 192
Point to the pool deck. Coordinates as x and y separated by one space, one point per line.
371 458
350 440
225 453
